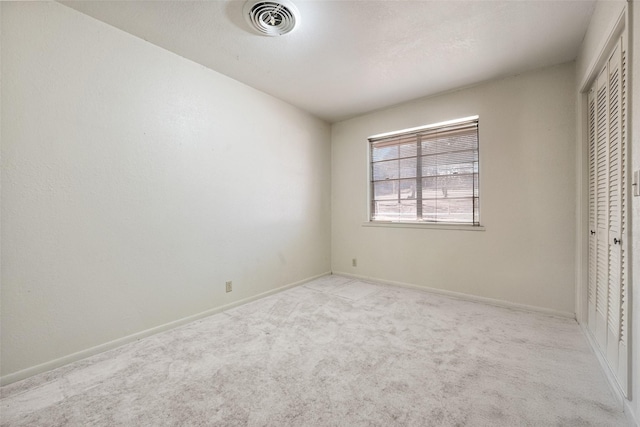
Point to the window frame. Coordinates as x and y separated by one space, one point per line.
370 222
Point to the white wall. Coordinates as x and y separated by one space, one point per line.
603 24
135 183
602 21
527 196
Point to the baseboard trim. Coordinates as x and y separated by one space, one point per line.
613 383
83 354
463 296
628 412
604 366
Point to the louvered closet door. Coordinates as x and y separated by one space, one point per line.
593 198
601 210
607 287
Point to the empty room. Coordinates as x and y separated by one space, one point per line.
320 213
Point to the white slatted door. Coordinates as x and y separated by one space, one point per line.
623 245
593 240
601 210
607 287
614 207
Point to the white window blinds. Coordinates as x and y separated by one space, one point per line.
427 174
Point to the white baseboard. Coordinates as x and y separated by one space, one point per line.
463 296
613 383
83 354
628 412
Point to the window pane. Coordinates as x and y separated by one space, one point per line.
394 169
432 188
408 168
384 153
385 190
448 165
442 183
429 165
384 210
457 185
430 146
449 186
394 189
448 210
429 208
458 141
459 161
449 141
386 170
409 150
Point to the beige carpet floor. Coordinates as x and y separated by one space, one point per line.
334 352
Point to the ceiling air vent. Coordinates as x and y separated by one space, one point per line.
271 18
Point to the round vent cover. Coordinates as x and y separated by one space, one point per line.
271 18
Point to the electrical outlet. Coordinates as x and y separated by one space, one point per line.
354 262
229 286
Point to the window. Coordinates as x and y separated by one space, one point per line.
427 174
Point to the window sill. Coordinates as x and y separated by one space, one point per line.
398 224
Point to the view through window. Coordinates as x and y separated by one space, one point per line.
427 174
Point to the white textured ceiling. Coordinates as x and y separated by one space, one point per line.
350 57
